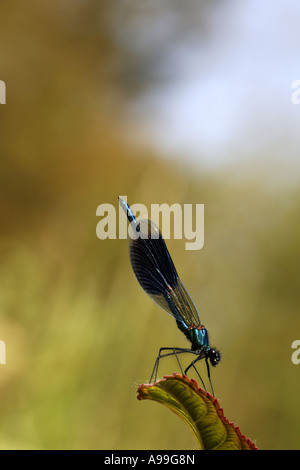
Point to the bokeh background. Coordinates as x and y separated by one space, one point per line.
162 101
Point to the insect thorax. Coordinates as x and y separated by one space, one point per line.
197 335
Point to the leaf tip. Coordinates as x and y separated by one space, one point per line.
199 409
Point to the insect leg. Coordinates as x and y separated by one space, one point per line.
192 364
165 352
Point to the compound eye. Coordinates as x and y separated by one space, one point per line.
214 357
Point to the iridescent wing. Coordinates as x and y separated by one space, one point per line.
157 275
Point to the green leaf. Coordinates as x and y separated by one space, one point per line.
199 410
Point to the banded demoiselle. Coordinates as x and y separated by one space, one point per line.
155 271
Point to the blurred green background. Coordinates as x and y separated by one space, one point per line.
80 333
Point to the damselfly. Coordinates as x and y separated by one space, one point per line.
155 271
